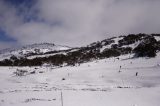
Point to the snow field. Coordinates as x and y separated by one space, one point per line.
97 83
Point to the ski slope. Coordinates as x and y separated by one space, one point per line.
97 83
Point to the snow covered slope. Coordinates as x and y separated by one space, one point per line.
106 82
140 45
30 50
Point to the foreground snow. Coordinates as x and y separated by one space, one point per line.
98 83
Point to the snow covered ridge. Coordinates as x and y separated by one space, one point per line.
30 50
140 45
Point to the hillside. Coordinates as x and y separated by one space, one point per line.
140 45
110 81
32 50
119 71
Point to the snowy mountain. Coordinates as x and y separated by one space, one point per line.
31 50
140 45
119 71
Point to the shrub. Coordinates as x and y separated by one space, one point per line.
147 48
111 53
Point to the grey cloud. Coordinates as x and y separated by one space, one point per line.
4 45
80 22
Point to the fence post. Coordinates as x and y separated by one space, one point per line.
61 98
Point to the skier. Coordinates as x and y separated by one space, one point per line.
119 69
136 73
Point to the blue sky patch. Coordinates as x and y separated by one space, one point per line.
27 3
6 38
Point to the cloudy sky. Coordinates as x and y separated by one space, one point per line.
74 22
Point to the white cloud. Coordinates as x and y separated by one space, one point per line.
79 22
